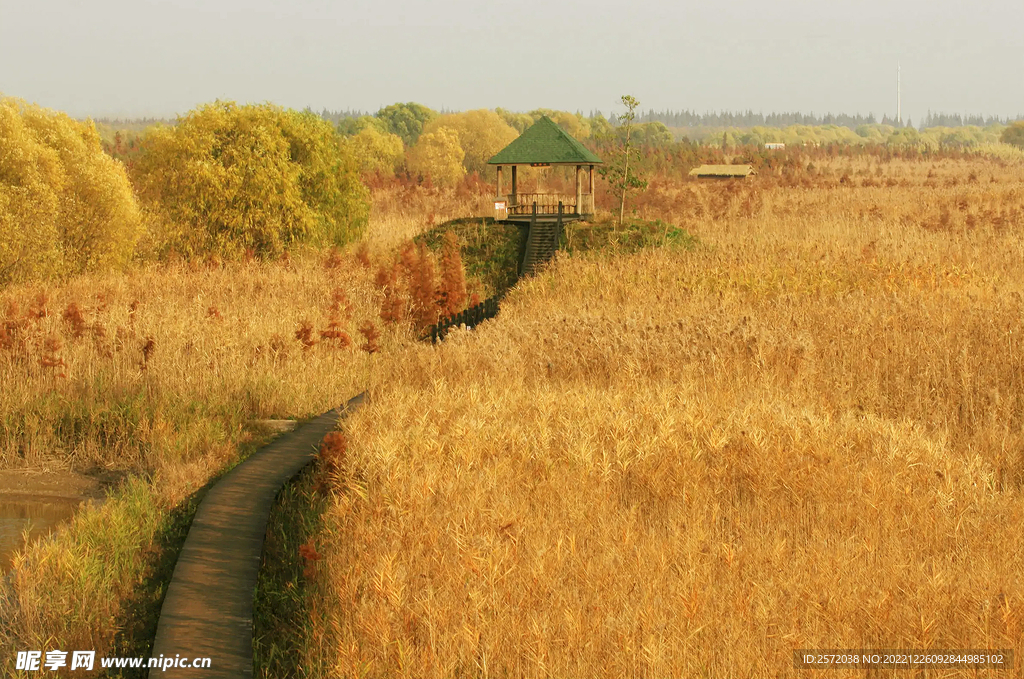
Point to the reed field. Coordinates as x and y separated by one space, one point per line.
804 433
661 459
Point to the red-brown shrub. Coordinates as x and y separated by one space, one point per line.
363 255
452 295
75 319
148 347
424 289
370 333
304 334
393 308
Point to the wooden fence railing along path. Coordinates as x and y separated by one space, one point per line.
471 317
207 611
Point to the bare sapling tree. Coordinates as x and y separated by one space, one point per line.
618 173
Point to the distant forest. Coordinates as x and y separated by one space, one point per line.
780 120
713 119
751 119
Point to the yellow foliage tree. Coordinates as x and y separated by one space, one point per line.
65 206
439 156
1014 134
229 179
573 123
376 151
481 134
519 121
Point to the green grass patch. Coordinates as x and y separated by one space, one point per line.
282 607
140 613
122 426
68 588
491 251
632 236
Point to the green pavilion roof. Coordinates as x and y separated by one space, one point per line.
544 142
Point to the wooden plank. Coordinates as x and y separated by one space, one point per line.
207 611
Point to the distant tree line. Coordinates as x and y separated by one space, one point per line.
336 117
687 118
122 123
749 118
957 120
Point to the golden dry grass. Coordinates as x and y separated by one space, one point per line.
221 346
401 212
806 434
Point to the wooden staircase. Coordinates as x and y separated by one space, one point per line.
541 242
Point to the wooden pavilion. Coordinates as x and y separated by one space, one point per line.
544 144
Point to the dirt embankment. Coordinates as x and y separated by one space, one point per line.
39 484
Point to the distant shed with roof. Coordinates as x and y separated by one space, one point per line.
722 171
545 144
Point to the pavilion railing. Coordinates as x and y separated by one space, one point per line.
547 203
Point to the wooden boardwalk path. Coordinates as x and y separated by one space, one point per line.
207 611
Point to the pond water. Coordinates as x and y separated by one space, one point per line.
37 515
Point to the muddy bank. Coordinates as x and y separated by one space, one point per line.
35 502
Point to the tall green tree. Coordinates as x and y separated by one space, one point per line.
618 172
406 120
349 127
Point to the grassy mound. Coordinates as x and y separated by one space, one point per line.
491 251
632 236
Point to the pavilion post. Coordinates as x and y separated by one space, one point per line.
579 190
515 199
498 193
590 201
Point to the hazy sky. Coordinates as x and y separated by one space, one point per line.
153 58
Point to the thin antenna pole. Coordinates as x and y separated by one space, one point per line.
899 110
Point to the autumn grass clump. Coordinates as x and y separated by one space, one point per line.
802 433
